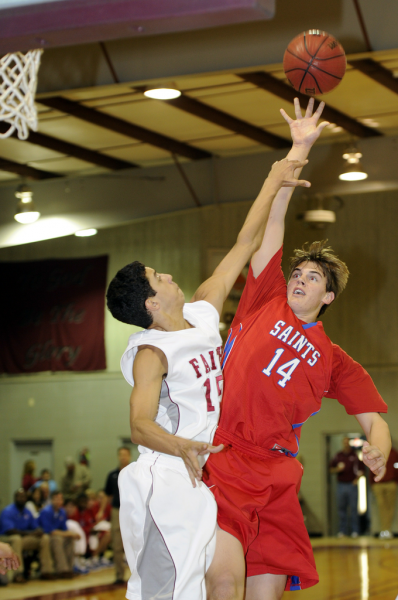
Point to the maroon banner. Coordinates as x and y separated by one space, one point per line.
52 315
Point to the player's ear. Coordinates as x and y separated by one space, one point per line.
328 298
152 304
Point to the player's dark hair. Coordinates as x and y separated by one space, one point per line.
127 293
55 493
334 269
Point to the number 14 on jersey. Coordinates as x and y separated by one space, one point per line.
286 369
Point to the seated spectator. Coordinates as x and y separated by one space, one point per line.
45 492
45 477
35 504
97 539
21 531
52 520
75 480
28 475
80 545
92 504
103 514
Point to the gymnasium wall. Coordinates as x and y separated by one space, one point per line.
76 410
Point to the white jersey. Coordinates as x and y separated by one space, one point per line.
191 392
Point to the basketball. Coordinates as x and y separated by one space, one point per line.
314 62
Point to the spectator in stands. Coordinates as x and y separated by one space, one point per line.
112 496
52 520
103 514
349 469
80 545
45 477
21 529
385 492
35 504
97 539
28 475
76 479
45 492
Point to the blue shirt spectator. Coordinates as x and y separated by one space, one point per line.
50 519
14 517
45 477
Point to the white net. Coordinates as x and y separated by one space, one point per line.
18 82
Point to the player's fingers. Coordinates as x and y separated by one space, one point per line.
215 449
191 475
310 108
297 108
194 464
286 116
319 110
322 125
296 183
296 164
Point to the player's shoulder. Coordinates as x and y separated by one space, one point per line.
201 307
201 313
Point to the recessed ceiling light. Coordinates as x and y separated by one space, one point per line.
162 93
86 232
353 170
26 212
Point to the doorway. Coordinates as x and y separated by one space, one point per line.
334 444
40 451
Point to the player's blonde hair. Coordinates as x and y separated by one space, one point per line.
334 269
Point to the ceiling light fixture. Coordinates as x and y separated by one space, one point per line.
353 170
162 92
86 232
26 212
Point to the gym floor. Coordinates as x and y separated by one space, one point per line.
361 569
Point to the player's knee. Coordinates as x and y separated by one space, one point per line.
225 588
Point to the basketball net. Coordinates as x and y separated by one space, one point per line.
18 82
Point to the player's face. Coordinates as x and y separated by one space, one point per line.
167 291
306 290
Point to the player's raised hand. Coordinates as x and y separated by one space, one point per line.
374 458
282 173
305 130
189 452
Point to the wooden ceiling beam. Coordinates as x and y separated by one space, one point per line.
270 84
96 117
25 171
377 72
90 156
222 119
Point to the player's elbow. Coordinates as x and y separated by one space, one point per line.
137 427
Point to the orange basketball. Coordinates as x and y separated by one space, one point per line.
314 62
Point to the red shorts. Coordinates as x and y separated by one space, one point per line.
256 493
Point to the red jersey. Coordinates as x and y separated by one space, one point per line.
85 518
278 368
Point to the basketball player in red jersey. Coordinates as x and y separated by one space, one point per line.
278 364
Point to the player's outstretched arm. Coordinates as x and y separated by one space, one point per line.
150 366
304 131
377 449
216 289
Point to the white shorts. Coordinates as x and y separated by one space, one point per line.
168 529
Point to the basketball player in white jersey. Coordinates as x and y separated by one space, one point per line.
167 516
